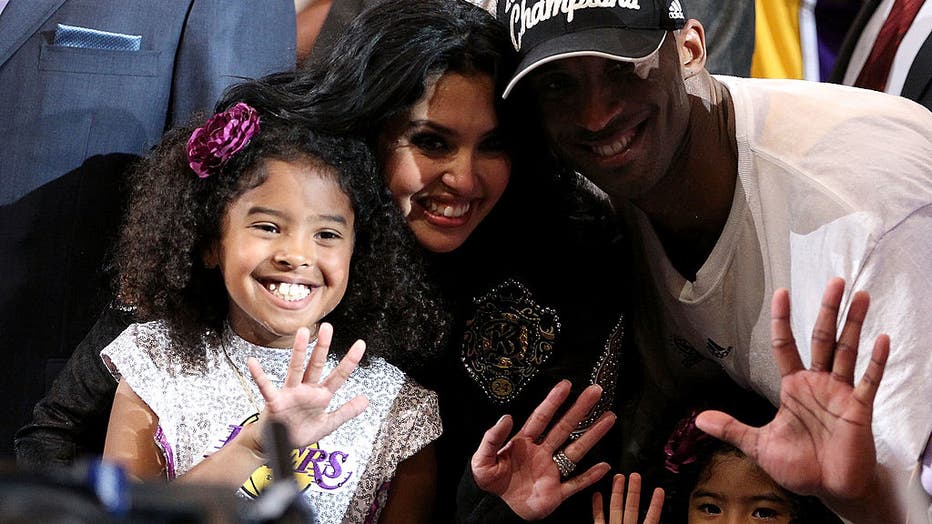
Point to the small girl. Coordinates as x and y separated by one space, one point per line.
710 480
242 236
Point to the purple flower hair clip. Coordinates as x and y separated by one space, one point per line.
684 443
212 145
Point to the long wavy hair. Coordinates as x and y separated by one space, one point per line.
383 64
174 216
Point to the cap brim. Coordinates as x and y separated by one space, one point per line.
626 45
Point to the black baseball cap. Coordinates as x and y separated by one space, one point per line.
546 30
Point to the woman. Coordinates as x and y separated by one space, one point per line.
419 81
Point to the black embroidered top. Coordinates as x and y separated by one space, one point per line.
538 294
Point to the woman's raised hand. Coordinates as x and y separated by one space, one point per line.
301 404
524 471
624 510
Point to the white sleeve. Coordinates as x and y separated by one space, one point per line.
898 276
130 356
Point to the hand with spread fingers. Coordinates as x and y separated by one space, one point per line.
532 472
820 441
301 403
624 509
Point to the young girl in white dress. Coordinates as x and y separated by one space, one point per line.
243 235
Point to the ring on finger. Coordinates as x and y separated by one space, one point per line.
564 464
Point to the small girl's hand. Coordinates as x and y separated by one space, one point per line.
622 511
301 403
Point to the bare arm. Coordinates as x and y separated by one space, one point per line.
131 444
410 499
301 405
130 432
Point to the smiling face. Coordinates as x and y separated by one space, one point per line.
620 124
733 490
285 252
445 162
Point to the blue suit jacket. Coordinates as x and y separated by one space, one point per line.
71 119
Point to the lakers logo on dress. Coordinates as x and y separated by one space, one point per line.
314 468
507 340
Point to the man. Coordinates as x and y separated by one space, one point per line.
733 188
88 86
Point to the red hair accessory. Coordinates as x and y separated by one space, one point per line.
212 145
684 443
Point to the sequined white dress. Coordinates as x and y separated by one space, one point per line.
345 475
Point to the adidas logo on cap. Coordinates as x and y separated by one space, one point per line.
676 11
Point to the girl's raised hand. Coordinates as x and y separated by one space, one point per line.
301 403
523 471
625 511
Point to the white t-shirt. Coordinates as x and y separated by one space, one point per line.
832 181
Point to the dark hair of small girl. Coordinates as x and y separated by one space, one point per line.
690 453
174 216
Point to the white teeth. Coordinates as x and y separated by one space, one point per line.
289 292
454 211
615 147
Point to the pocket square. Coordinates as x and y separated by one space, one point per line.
86 38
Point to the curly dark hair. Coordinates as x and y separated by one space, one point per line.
174 216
